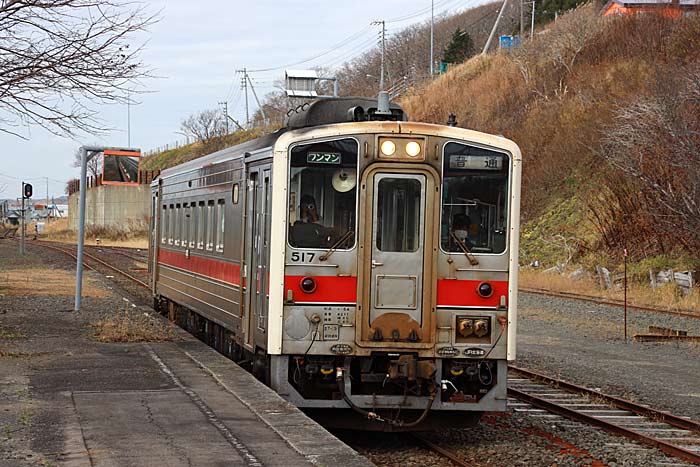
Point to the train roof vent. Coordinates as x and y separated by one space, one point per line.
340 110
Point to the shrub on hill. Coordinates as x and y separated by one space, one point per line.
571 99
175 156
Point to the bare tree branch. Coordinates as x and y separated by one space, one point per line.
60 57
204 126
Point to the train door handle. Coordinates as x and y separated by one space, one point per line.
376 263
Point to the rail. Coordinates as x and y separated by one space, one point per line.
97 260
442 451
609 413
603 301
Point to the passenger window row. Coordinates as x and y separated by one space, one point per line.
196 225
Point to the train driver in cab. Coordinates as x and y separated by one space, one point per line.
459 232
307 231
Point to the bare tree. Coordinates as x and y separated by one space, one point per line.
653 144
204 126
59 57
94 165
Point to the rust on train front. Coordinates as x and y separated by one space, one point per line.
396 280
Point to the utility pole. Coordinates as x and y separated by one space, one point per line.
532 23
262 111
244 84
495 27
383 43
48 213
432 34
128 118
224 104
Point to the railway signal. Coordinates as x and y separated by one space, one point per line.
27 191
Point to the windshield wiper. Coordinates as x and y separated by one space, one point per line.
463 246
337 243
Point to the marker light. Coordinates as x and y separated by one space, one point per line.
388 148
412 148
308 285
485 290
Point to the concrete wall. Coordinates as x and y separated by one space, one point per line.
112 205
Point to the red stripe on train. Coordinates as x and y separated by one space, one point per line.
333 289
216 269
464 293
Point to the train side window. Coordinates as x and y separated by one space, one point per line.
235 193
200 225
164 225
176 233
193 225
171 223
210 225
220 225
185 224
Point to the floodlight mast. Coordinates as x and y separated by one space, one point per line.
84 158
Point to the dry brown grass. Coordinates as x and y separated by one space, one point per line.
133 326
668 296
45 282
11 334
58 231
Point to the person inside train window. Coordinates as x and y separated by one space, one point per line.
308 211
460 232
307 231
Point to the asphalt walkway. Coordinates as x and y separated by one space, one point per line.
68 400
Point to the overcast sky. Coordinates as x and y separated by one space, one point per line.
195 50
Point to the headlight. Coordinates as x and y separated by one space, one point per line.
412 148
388 148
401 148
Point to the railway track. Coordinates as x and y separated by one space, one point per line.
452 456
603 301
70 251
530 391
675 436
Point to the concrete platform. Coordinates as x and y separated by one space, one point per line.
67 400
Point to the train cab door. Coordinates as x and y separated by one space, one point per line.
257 240
398 246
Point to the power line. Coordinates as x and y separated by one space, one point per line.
422 11
32 178
333 48
362 48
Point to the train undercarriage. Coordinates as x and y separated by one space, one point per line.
387 391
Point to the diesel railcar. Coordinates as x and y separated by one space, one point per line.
356 262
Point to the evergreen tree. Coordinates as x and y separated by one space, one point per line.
546 10
460 48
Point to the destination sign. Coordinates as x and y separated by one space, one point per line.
323 157
465 162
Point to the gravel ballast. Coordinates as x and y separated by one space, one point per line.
583 343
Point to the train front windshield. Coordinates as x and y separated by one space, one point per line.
323 194
474 195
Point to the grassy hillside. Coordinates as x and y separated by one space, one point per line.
172 157
563 97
